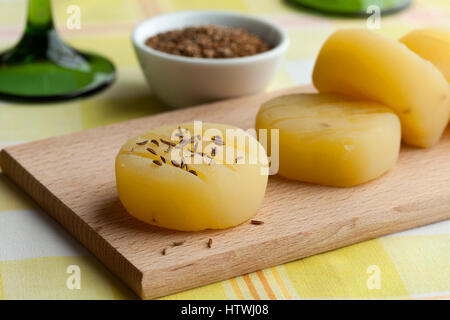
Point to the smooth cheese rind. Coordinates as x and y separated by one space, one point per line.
432 44
330 139
368 66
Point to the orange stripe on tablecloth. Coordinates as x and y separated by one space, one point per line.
156 9
266 285
144 8
236 289
280 283
251 287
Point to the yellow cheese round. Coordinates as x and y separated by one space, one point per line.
184 178
432 44
369 66
330 139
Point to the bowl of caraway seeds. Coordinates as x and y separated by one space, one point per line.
193 57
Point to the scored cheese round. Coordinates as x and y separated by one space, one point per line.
331 139
181 178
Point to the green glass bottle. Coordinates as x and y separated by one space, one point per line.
42 67
352 7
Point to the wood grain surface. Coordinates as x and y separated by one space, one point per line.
72 178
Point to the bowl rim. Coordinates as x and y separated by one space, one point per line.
278 49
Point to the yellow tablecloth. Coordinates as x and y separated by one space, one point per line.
35 251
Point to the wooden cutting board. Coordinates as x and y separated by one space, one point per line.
72 178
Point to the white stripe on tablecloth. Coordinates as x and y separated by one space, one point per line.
10 143
26 234
431 229
300 70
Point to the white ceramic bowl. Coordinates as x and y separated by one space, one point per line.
183 81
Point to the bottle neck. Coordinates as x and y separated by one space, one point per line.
39 17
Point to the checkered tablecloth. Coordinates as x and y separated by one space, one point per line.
35 251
